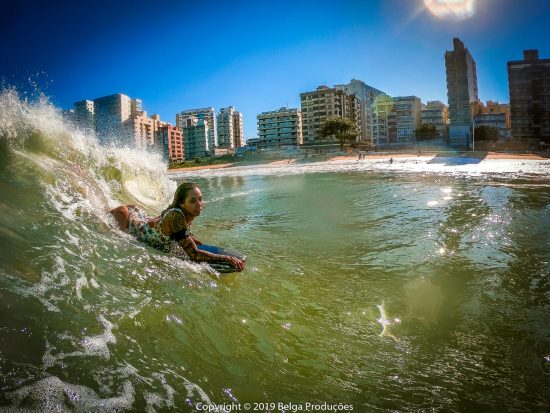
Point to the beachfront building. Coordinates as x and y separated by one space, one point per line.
112 118
384 127
196 138
238 129
207 114
321 104
461 92
84 114
407 118
395 121
230 128
529 82
170 141
366 95
280 129
494 120
495 107
145 129
436 113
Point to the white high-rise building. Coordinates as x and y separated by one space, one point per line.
110 117
230 128
407 117
395 120
207 114
280 128
196 137
366 95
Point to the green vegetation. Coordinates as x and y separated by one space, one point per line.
486 133
343 129
211 160
425 132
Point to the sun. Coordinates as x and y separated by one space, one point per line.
451 9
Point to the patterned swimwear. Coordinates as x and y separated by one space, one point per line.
139 227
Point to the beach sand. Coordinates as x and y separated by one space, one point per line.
383 155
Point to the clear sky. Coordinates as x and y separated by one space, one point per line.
255 55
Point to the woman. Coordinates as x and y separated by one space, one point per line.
169 232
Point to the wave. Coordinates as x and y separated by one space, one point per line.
68 278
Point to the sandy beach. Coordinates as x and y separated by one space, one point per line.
383 155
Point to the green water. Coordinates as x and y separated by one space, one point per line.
387 291
421 285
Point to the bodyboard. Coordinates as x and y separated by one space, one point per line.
221 266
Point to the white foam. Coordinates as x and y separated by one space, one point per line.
53 395
97 345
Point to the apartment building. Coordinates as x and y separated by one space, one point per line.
196 138
206 114
395 121
170 140
436 113
230 128
319 105
529 83
462 92
280 128
145 129
366 95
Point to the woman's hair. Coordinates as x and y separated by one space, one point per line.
180 195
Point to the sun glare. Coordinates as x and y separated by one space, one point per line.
451 9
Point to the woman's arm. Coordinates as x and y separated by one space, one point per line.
190 247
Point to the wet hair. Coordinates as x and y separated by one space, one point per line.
180 195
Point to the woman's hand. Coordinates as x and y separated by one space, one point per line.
235 263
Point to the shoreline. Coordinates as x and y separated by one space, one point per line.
379 155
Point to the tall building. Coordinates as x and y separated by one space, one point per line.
384 125
366 95
395 120
436 113
529 82
238 130
196 138
461 92
145 129
407 118
323 103
112 122
170 140
84 114
280 128
230 128
207 114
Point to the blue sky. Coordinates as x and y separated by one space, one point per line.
255 55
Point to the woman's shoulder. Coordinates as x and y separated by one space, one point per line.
172 220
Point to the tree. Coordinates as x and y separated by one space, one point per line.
486 133
343 129
426 131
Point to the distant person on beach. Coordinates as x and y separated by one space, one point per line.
391 160
169 232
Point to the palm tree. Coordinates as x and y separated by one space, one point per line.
343 129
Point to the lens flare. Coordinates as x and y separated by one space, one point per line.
451 9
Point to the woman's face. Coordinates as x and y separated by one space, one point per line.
193 202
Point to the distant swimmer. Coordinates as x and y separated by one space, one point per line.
169 232
391 160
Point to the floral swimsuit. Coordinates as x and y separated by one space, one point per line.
139 227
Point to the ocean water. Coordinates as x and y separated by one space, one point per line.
421 285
